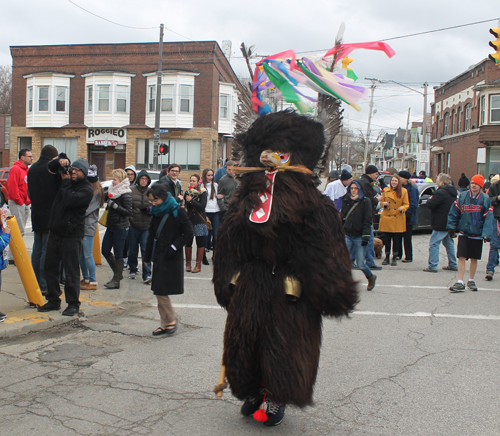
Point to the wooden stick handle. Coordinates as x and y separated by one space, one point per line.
222 384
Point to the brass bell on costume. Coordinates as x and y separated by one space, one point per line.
293 287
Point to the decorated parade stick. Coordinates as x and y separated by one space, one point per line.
222 382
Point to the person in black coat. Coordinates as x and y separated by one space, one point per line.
169 231
119 211
172 182
439 204
66 230
356 215
42 190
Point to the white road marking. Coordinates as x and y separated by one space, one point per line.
371 313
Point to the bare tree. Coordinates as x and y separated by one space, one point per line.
358 147
5 90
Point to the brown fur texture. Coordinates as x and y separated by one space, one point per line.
270 340
378 244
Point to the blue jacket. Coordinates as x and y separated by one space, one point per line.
4 241
411 212
472 216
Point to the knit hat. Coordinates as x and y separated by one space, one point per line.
478 179
49 151
333 175
346 175
370 169
81 164
404 174
92 174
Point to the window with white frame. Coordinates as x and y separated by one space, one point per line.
446 124
467 118
103 98
483 110
453 122
30 99
152 98
185 98
121 98
494 108
185 152
43 99
459 119
167 98
224 106
90 98
61 99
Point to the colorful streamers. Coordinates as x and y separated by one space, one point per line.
284 72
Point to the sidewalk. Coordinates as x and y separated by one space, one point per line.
22 319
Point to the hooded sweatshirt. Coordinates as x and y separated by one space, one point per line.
132 168
140 218
17 183
358 222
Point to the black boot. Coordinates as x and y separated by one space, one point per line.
386 260
111 261
205 260
394 261
114 283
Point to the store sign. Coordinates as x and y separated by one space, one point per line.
105 142
106 136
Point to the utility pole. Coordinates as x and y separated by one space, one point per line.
424 126
406 140
369 124
341 136
158 101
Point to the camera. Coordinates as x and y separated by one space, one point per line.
64 170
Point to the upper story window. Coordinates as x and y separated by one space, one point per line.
459 119
446 124
453 122
494 108
467 118
177 99
224 106
483 110
186 98
107 99
47 99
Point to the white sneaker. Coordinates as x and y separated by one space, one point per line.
148 280
132 276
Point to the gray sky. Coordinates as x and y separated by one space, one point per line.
276 25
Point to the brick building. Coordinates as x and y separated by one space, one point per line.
466 123
97 101
4 140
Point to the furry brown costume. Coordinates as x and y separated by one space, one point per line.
270 340
378 244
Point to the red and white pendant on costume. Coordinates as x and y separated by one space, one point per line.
262 212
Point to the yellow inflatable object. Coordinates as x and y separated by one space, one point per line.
96 248
23 263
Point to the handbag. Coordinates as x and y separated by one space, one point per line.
207 221
103 221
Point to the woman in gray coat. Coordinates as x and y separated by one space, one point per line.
169 231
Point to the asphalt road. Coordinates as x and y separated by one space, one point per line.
412 360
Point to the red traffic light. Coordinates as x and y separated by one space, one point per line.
163 149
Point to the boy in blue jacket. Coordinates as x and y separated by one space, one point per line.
471 215
4 241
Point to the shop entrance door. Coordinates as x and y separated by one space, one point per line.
99 159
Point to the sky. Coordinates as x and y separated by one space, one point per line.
274 26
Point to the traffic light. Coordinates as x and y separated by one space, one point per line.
495 57
163 149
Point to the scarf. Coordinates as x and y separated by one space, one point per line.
195 191
169 205
122 188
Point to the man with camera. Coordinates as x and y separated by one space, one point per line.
66 229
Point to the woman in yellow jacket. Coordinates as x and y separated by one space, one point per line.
393 218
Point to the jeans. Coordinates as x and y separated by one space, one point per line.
114 239
21 212
438 237
137 238
214 218
494 246
87 263
67 250
370 251
38 258
358 251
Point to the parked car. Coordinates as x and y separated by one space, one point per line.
4 194
424 217
154 175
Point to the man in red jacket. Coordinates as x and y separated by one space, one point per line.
18 188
